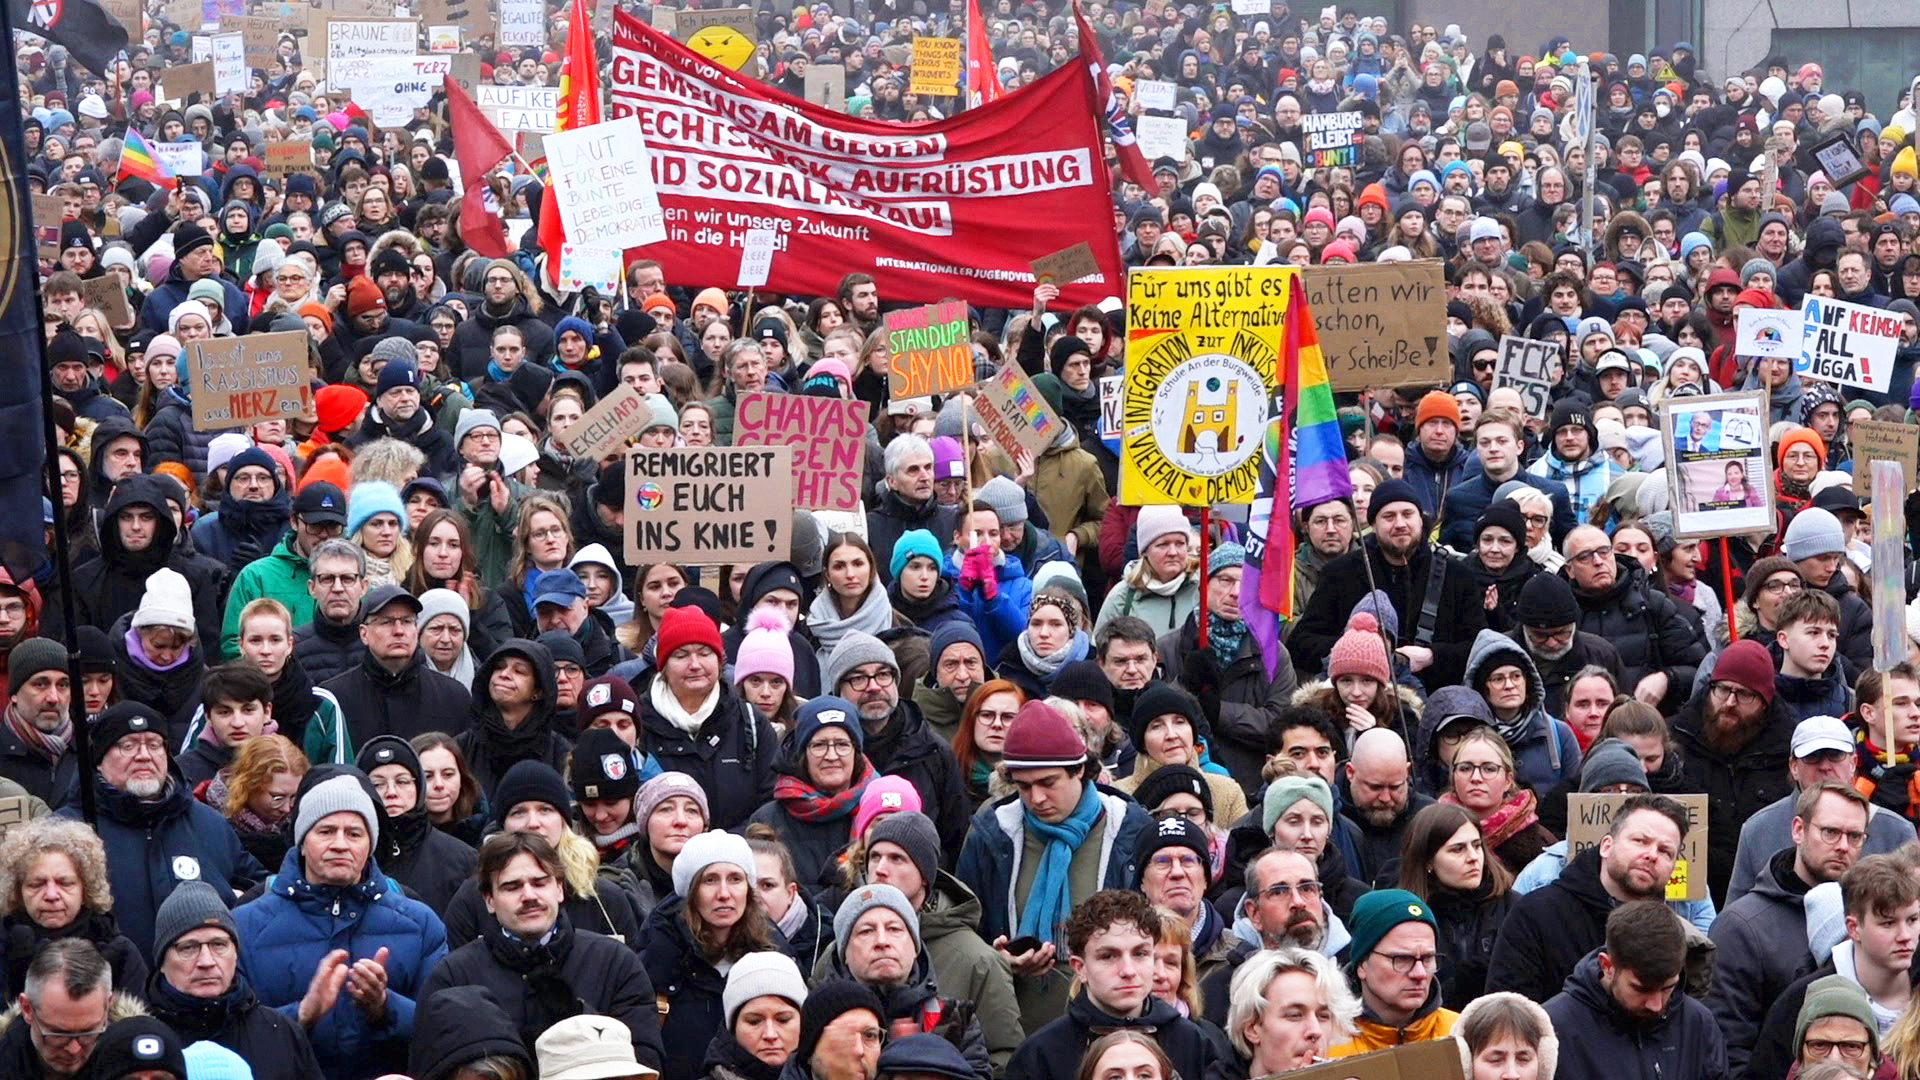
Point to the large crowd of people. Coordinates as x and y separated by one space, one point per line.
396 765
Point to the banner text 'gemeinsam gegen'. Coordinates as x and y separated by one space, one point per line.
958 207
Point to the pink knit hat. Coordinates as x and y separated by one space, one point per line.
1360 651
885 795
765 650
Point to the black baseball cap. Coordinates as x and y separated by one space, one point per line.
321 503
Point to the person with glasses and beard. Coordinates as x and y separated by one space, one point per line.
1734 739
1284 904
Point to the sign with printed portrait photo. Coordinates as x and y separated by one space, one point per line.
1718 472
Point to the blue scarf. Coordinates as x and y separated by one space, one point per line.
1049 901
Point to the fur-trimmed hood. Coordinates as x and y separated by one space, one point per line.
120 1006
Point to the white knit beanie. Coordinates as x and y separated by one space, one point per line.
1158 521
168 601
704 850
762 974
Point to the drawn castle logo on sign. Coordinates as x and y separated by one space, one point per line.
1216 420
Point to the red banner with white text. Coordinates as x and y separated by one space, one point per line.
954 208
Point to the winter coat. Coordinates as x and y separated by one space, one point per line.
1586 480
48 781
328 650
1760 946
275 1046
239 532
171 435
431 864
1468 499
489 746
731 757
891 516
1587 650
1431 481
18 1058
610 912
806 665
294 924
473 339
112 584
906 747
1345 580
1243 702
22 939
1826 694
999 620
1548 753
1056 1049
687 986
814 845
172 292
1469 925
281 576
1766 832
1549 930
1648 629
967 968
1072 491
919 1002
1375 855
989 861
1738 786
1599 1041
172 693
1856 623
420 432
602 977
1432 776
1163 613
376 702
1430 1021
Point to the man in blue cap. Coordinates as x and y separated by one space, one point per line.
560 604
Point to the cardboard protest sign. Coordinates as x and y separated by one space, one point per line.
348 38
1381 324
708 506
1162 136
49 213
1879 440
16 810
1765 332
1332 138
583 267
259 33
1531 367
1015 415
607 426
1068 265
1890 482
936 67
1718 468
182 13
1839 160
1589 816
105 293
1203 353
456 12
390 88
1155 94
931 350
825 85
1433 1059
1847 343
601 177
523 22
283 159
828 438
1110 397
183 80
128 14
466 72
519 108
241 381
756 257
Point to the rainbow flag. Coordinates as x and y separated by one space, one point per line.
1303 462
136 159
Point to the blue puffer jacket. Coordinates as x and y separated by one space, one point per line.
1000 619
293 926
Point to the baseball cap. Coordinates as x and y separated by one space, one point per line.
321 503
1817 733
1612 360
560 587
387 594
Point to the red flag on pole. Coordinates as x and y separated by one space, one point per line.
579 107
478 146
1133 163
983 79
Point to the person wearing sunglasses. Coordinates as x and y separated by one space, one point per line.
1393 960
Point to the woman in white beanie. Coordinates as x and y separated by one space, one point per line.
1162 586
695 937
445 622
160 662
762 1004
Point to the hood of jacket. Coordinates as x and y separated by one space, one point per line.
1443 703
951 908
1491 649
1584 986
143 490
1824 240
104 433
533 653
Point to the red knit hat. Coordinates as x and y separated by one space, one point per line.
1041 738
685 626
1746 663
1360 651
1437 405
363 295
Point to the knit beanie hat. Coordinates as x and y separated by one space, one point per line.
1379 605
1377 913
924 1055
683 626
119 720
1160 699
865 899
1228 556
1547 602
1155 522
400 371
1360 651
336 407
921 542
30 658
961 632
761 974
601 767
1008 500
706 849
208 1060
1393 490
826 1003
608 693
1837 995
915 834
664 787
474 420
1747 663
856 649
345 791
1437 405
947 463
886 795
1041 738
1812 532
529 781
1287 790
824 711
168 601
224 446
1795 436
1170 831
371 497
1082 680
766 649
191 906
1169 780
137 1044
1503 515
1609 762
364 296
437 602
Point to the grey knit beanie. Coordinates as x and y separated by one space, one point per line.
855 649
191 906
865 899
916 836
331 796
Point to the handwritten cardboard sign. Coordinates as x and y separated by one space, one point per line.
49 213
348 38
105 293
1381 324
936 67
608 425
185 158
1162 136
285 158
241 381
229 64
1111 396
709 505
184 80
1434 1059
1066 266
1531 367
1016 416
756 257
605 186
828 438
931 351
1590 816
517 108
1155 94
260 33
1878 440
128 14
1847 343
583 267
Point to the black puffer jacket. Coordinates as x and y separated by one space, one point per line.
111 584
1601 1039
1056 1049
1647 628
377 702
171 435
1469 924
473 339
1738 785
24 939
609 912
276 1047
172 693
1547 931
490 747
1240 701
687 984
420 432
575 972
430 863
731 757
328 650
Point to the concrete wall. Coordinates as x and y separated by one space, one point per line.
1739 33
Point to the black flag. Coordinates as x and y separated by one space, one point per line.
23 450
83 26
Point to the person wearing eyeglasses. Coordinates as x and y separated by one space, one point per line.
1541 750
62 1014
822 771
1624 1012
1446 863
1758 937
1392 964
1660 648
199 991
897 740
1172 866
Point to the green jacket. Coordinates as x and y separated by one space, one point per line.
492 532
281 575
722 408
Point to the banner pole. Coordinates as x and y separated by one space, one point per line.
1206 527
746 312
1726 580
